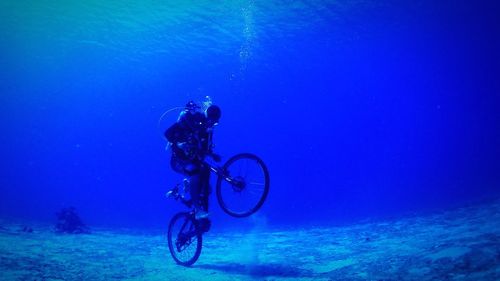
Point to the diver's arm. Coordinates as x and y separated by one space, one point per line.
215 156
210 147
174 138
173 133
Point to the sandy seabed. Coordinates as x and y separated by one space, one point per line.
461 244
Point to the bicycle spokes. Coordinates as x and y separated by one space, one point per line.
244 186
238 183
184 239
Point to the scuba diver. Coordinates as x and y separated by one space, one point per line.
191 140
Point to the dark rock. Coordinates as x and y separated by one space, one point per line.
27 229
68 221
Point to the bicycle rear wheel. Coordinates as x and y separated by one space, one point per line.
184 239
244 186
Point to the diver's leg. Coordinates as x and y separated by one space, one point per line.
177 165
205 186
194 190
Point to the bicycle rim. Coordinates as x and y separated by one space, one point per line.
247 188
184 240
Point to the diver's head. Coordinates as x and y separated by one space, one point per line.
213 114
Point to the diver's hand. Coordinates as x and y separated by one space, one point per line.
185 147
187 150
216 157
181 145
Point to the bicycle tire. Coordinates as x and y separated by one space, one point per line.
223 193
186 219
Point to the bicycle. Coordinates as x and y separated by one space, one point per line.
185 231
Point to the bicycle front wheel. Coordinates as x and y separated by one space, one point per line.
184 239
244 186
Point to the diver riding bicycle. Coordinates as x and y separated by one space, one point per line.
191 141
241 188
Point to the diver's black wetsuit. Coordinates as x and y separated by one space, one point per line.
191 142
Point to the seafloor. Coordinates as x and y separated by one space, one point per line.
461 244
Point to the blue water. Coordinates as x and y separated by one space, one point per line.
361 109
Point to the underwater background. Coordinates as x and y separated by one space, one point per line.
378 121
360 109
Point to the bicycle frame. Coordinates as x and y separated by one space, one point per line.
200 226
191 233
219 171
191 229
